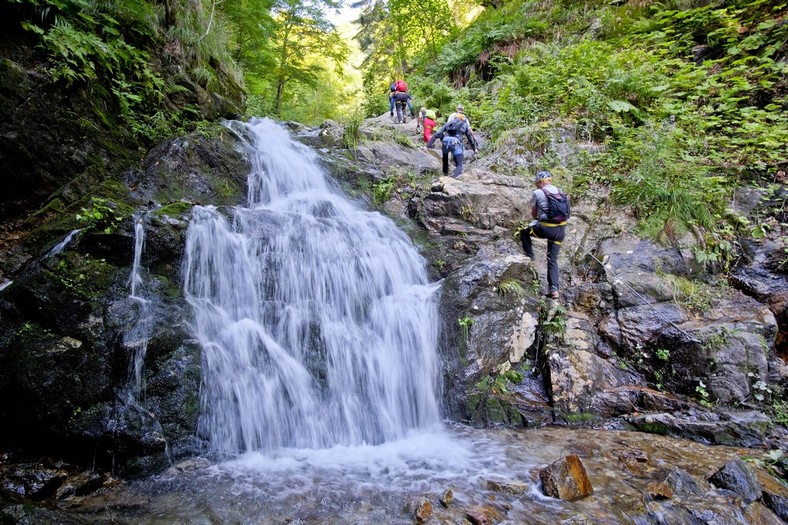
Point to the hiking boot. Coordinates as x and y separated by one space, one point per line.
553 295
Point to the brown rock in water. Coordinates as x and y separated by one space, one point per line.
447 498
566 479
423 510
659 490
479 516
514 488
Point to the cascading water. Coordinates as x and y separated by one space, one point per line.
59 247
137 338
319 329
316 318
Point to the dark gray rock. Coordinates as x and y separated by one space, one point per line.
739 478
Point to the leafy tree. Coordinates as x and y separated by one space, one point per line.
394 34
301 31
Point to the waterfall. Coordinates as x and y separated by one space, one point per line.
138 336
62 244
316 318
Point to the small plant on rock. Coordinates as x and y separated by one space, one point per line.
466 323
703 394
381 191
100 216
511 287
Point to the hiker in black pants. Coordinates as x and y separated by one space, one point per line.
550 211
450 136
402 101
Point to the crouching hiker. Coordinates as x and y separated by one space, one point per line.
550 210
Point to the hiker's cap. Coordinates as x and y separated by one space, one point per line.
543 175
460 108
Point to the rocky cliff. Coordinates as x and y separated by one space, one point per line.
643 336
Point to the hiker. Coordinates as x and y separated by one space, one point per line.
550 210
460 110
392 90
426 121
401 99
451 142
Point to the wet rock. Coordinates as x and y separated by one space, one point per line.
513 488
659 490
331 134
80 484
778 504
566 479
738 477
423 510
447 498
579 379
33 482
29 515
680 481
482 515
193 169
708 427
637 462
761 278
775 494
758 514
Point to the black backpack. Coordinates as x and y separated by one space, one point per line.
558 208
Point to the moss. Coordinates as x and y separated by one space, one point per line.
174 209
654 428
85 276
579 417
51 208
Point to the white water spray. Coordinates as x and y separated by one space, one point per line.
137 338
316 318
62 244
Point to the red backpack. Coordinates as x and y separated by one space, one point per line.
401 86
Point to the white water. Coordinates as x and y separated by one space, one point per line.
62 244
138 336
316 318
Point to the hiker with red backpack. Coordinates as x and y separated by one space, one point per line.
550 210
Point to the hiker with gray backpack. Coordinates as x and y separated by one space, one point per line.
550 210
450 136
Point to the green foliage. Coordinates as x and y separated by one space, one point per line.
580 417
101 215
511 287
703 394
668 189
774 461
465 323
780 414
352 133
554 322
662 354
381 191
685 96
499 384
92 43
